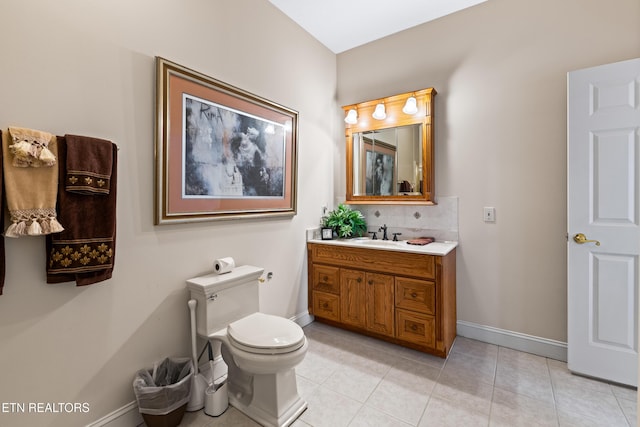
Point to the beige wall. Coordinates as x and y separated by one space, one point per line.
500 72
87 67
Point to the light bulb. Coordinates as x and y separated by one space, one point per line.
411 106
379 113
352 117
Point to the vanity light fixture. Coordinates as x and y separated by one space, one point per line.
352 117
411 106
379 113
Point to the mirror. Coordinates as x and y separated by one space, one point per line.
390 159
388 162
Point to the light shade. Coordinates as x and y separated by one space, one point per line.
352 117
411 106
379 113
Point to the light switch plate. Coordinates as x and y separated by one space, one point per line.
489 214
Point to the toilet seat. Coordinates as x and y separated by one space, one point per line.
261 333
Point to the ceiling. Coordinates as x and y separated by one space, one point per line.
344 24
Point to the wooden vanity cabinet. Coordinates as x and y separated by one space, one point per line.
403 297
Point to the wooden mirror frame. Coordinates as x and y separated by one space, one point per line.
395 118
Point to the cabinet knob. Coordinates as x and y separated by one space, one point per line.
370 282
413 294
325 305
359 280
325 278
414 327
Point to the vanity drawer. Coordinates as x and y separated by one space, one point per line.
416 295
382 261
326 278
415 328
326 305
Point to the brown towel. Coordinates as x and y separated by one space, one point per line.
85 251
421 241
30 189
89 162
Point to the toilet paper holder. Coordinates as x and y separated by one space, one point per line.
269 277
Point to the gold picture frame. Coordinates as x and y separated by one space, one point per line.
220 152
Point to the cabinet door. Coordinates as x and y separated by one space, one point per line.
352 297
380 303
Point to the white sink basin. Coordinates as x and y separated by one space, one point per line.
384 243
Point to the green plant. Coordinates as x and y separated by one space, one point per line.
346 222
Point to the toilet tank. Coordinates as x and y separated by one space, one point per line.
224 298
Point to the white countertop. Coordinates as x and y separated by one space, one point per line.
435 248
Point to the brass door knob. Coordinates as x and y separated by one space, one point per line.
581 238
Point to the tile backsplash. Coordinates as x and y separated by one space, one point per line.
439 221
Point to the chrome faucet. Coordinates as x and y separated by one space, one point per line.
384 232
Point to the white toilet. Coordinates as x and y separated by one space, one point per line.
260 350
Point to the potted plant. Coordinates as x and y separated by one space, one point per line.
346 222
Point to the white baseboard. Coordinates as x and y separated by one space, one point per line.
528 343
303 319
127 416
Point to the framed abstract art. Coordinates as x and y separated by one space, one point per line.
221 152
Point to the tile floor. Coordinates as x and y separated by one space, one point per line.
352 380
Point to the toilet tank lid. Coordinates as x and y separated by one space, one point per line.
214 282
259 330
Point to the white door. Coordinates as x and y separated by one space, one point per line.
603 206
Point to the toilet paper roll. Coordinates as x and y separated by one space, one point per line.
224 265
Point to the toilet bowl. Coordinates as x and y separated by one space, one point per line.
260 350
